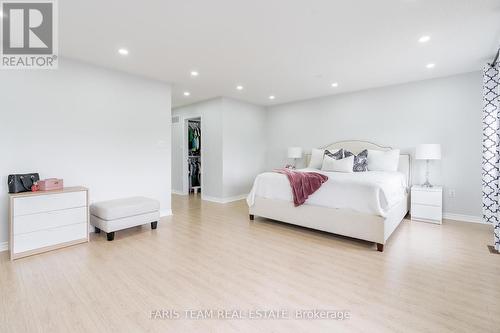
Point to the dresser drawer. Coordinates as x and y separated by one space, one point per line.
49 237
425 212
40 221
49 202
433 198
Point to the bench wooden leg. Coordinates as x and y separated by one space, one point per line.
252 217
110 235
380 247
154 225
97 230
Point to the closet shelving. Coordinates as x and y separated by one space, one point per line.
194 155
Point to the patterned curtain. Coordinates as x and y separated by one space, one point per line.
491 148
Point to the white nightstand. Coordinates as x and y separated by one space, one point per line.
427 204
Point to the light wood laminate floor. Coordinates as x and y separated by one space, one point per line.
431 278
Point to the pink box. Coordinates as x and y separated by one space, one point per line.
50 184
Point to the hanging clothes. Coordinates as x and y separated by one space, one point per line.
194 138
194 152
194 172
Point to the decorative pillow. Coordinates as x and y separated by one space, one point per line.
316 158
383 160
337 155
338 165
360 160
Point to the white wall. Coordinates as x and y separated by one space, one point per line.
445 111
94 127
233 147
244 143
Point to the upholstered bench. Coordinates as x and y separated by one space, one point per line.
113 215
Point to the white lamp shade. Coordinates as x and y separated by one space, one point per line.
428 151
294 152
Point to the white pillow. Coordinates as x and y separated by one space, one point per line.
383 160
316 158
343 165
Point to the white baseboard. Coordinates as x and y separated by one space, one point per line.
463 218
223 200
165 212
4 246
178 192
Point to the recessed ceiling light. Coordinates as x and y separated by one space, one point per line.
123 51
239 87
335 84
430 66
424 39
187 93
194 73
272 97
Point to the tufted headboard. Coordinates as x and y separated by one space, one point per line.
356 146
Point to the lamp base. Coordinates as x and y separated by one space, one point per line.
427 184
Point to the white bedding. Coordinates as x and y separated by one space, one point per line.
371 192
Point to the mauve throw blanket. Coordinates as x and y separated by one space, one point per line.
303 183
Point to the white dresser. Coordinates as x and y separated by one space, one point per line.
47 220
427 203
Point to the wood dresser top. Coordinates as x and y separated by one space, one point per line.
64 190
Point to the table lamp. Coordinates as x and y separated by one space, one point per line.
427 152
294 153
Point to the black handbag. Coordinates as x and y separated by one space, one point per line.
22 183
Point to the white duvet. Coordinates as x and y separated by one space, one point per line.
371 192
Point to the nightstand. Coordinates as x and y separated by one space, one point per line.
427 204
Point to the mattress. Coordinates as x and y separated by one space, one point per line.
371 192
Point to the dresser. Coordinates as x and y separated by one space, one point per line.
47 220
427 204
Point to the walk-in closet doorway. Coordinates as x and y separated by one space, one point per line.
193 156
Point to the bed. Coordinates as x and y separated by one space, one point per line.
363 205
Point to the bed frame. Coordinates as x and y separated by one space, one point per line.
346 222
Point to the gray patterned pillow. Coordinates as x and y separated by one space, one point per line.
360 160
338 155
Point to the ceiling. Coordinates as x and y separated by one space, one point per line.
293 50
